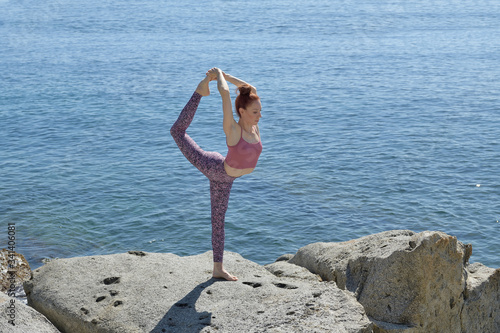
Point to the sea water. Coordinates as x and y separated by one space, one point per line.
377 115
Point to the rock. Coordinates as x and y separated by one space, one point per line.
285 257
18 264
392 282
282 269
481 312
25 318
155 292
406 282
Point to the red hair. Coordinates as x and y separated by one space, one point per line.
245 97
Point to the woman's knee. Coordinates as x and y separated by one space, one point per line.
175 131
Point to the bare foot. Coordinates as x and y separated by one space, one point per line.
203 88
221 273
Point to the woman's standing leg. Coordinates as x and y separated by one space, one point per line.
219 199
220 189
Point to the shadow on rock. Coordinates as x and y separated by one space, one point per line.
183 317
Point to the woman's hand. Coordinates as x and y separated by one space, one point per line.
213 73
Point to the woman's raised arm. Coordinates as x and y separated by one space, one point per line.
228 122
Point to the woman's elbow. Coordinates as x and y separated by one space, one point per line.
224 90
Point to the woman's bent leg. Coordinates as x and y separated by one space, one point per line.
202 160
186 116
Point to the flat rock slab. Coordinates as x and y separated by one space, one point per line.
161 292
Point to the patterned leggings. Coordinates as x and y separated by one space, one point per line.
211 164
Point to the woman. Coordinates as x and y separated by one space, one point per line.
244 148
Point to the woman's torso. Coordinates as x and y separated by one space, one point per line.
249 139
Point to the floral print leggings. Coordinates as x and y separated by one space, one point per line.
211 164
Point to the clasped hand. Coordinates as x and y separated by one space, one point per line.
213 73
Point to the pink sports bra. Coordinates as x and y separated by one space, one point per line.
243 155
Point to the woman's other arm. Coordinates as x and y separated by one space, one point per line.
238 82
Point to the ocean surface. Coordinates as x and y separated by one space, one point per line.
377 115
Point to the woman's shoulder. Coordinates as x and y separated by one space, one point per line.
235 135
257 130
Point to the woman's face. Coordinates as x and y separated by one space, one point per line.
251 114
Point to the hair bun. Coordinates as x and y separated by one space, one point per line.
245 89
246 96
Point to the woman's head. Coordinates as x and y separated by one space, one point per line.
246 100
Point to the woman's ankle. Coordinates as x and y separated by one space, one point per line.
203 88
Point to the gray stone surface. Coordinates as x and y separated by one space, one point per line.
406 281
392 282
155 292
482 300
285 269
285 257
25 318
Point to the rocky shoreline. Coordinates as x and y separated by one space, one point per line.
394 281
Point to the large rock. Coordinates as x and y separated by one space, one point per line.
406 282
26 319
153 292
482 300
